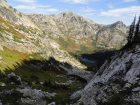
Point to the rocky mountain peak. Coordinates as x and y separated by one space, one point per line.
118 23
67 13
12 15
71 17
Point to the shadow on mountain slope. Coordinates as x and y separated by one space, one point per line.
43 75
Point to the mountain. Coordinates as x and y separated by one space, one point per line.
19 33
48 35
36 68
12 15
74 33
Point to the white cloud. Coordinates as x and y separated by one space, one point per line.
76 1
27 1
24 7
51 10
110 6
122 11
79 1
129 0
36 8
33 6
87 9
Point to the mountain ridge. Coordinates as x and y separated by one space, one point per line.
18 32
68 25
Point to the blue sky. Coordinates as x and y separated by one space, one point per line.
99 11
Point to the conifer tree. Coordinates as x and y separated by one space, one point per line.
134 34
131 32
136 38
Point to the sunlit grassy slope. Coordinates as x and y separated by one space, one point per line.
9 58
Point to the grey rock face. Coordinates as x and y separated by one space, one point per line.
136 89
15 79
32 96
12 15
119 74
53 103
86 75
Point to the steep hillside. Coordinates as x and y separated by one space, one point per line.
117 82
18 32
75 33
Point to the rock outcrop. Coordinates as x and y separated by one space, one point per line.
86 75
36 96
12 15
117 78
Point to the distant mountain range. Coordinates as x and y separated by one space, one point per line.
75 33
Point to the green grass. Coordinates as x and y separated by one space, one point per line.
65 43
83 50
10 58
1 83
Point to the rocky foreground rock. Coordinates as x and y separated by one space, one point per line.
118 78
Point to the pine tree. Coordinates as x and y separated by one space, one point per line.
49 82
134 34
131 32
136 38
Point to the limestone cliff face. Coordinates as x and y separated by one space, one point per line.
18 32
118 78
82 31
